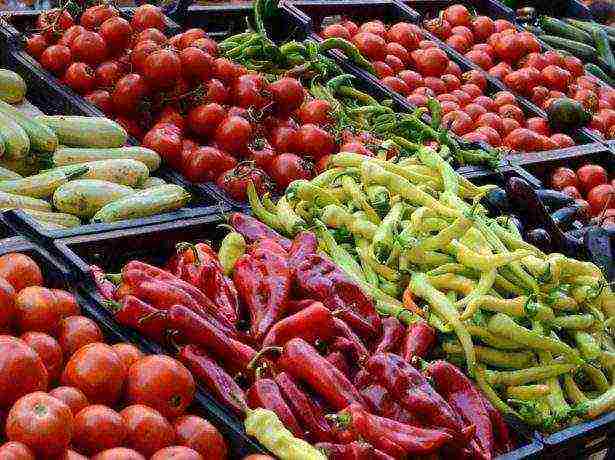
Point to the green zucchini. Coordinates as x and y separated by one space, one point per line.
84 197
152 182
596 71
41 185
145 203
73 155
56 218
16 140
558 28
12 87
85 131
125 172
42 138
604 48
7 174
25 166
12 201
580 50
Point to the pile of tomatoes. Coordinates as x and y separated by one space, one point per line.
65 394
591 183
418 69
515 58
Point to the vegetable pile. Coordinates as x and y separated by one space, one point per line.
65 393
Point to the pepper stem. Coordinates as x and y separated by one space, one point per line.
185 246
253 364
115 278
112 305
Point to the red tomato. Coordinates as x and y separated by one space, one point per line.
418 100
504 98
356 146
315 142
493 136
98 428
16 451
590 176
287 93
235 181
93 17
539 125
370 45
20 271
147 431
435 84
564 177
166 140
287 167
177 453
48 349
396 84
518 82
315 111
200 435
493 121
116 32
53 23
336 31
35 45
486 102
56 58
509 48
375 27
441 28
463 97
38 309
147 16
233 134
129 94
600 198
89 47
80 77
475 136
412 79
500 71
502 24
432 62
128 354
450 81
480 58
7 300
553 58
207 163
107 74
41 422
162 68
572 191
72 397
523 140
509 125
483 27
458 122
131 126
529 42
458 15
190 36
475 111
217 92
76 332
539 95
512 111
459 43
196 64
555 77
121 453
383 70
204 119
562 141
453 69
403 33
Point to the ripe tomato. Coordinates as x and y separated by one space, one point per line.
190 36
449 106
116 32
147 431
98 428
120 453
261 154
48 349
480 58
162 383
370 45
539 95
486 102
7 311
475 136
147 16
475 111
600 198
475 77
564 177
512 111
200 435
509 48
418 100
403 33
97 371
459 43
518 82
216 92
53 23
572 191
336 30
205 164
162 68
226 70
35 45
249 91
93 17
382 69
441 28
287 94
458 122
590 176
177 453
16 451
539 125
315 111
150 34
20 271
128 354
310 140
166 140
80 77
412 79
233 134
41 422
435 84
453 69
37 309
56 58
501 25
170 114
107 74
450 81
493 137
396 84
463 97
235 181
562 140
288 167
76 332
132 126
89 47
72 397
140 53
70 34
283 138
196 64
458 15
588 98
483 27
509 125
432 62
555 77
205 119
529 42
500 71
523 140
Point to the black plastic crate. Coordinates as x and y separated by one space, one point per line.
155 245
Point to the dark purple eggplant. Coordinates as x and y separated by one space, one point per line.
497 202
601 248
553 199
564 217
540 238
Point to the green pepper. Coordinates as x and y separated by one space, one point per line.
528 392
337 217
232 247
527 375
304 190
494 357
585 321
384 237
353 190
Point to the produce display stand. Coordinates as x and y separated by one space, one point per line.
57 275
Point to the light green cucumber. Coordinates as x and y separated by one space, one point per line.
7 174
41 185
84 197
12 87
12 201
16 140
125 172
25 166
152 182
57 218
145 203
42 138
85 131
74 155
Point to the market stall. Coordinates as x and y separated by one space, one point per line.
307 230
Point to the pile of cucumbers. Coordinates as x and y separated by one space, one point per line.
589 41
65 171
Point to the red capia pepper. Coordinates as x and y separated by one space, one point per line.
358 347
214 378
419 340
105 287
294 306
304 245
362 379
139 315
253 230
302 361
396 439
263 282
338 359
503 439
465 399
319 278
382 403
265 393
392 333
311 324
196 330
311 416
355 450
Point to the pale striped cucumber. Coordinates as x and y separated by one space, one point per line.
41 185
125 172
145 203
7 174
152 182
84 197
85 131
25 166
55 218
16 140
12 87
1 144
73 155
42 138
12 201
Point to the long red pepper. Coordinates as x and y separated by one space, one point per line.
414 392
304 245
302 361
356 450
362 379
382 403
265 393
253 230
105 287
311 417
311 324
295 306
392 332
196 330
214 378
319 278
338 359
418 341
346 332
139 315
263 281
501 433
396 439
